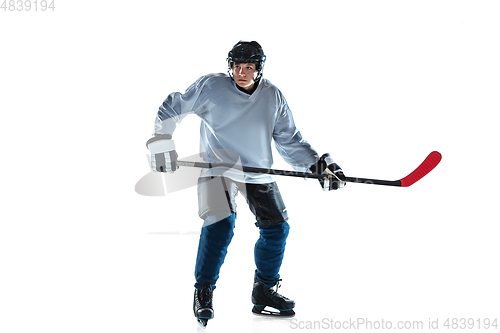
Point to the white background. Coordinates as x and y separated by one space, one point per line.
378 84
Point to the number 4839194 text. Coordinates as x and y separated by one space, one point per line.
27 5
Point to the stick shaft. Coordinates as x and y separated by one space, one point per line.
423 169
251 169
287 173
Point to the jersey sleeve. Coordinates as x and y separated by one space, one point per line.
289 142
176 106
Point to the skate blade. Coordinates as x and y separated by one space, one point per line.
260 310
204 316
202 322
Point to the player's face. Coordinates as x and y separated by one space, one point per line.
244 75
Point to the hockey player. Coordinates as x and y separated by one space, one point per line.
241 114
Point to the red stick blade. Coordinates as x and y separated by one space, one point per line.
423 169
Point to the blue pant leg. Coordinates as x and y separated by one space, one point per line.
212 250
269 252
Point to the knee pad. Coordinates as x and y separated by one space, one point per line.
225 224
278 232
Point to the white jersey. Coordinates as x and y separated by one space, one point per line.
234 122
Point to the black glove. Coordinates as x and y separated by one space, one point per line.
334 177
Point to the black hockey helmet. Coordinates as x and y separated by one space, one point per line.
247 52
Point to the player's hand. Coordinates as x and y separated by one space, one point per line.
334 176
163 154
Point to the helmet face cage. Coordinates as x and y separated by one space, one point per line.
247 52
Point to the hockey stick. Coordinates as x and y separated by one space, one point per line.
423 169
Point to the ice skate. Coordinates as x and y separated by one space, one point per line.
263 297
202 305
